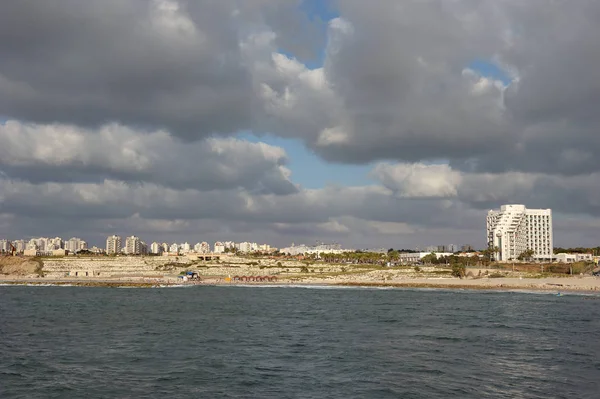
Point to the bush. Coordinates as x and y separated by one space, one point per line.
458 270
417 269
304 269
278 264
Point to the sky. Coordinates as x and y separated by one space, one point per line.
371 124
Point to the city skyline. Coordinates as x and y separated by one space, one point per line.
115 244
365 123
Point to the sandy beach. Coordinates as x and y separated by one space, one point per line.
555 284
164 271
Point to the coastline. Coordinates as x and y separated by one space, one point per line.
546 284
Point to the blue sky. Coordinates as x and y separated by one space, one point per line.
309 170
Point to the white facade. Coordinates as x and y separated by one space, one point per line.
156 248
75 245
245 247
202 248
133 246
5 246
515 229
174 248
20 245
113 245
572 258
219 247
316 249
415 257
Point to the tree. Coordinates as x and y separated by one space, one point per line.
458 270
526 255
429 259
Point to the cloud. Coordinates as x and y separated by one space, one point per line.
64 153
119 116
574 195
169 64
419 180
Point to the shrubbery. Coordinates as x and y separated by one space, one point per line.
458 270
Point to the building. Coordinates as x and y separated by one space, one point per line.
451 248
156 248
415 257
219 247
202 248
133 246
75 245
173 249
5 246
572 258
320 248
515 229
20 245
113 245
97 251
245 247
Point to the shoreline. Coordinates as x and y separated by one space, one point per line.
547 284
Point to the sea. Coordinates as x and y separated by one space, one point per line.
296 342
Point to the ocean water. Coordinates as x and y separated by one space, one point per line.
281 342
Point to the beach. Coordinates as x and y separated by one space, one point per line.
169 271
555 284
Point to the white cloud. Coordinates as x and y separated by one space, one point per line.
64 153
419 180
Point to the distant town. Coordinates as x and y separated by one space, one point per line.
133 245
513 233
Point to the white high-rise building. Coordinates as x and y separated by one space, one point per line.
20 245
156 248
75 245
515 229
113 245
5 246
245 247
133 245
174 248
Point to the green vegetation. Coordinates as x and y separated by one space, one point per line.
526 255
578 250
458 270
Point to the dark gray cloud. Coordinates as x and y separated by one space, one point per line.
161 63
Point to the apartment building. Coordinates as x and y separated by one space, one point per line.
113 244
515 229
75 245
134 246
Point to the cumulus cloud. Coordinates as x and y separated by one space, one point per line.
419 180
64 153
